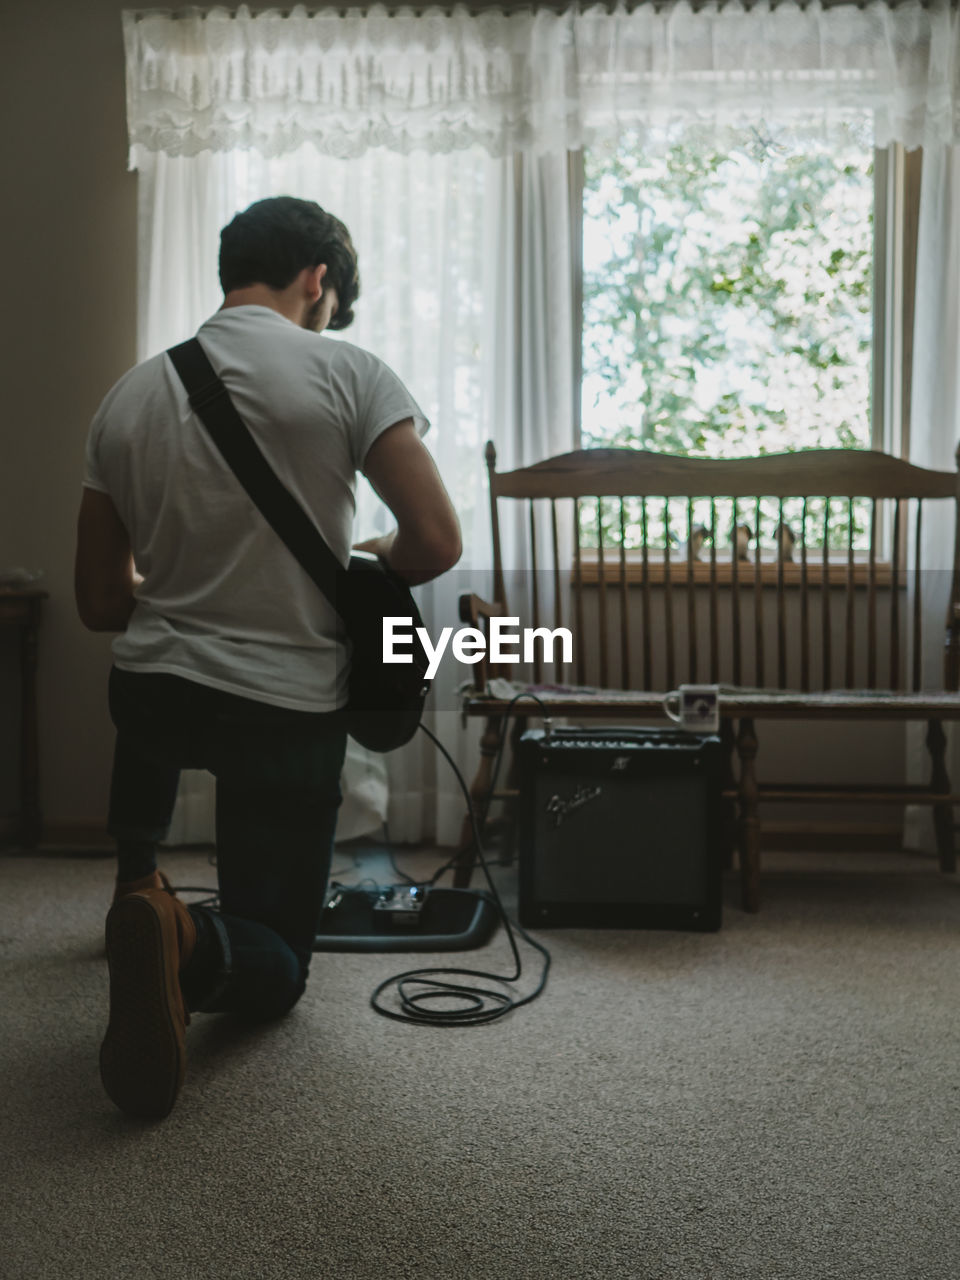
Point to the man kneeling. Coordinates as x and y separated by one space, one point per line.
227 657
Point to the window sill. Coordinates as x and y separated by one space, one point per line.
768 571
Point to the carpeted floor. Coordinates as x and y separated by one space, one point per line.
779 1100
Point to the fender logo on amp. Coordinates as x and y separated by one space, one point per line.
560 809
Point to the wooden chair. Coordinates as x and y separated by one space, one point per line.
823 630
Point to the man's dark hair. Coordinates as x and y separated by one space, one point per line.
273 240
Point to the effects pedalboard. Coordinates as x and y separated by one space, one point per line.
404 918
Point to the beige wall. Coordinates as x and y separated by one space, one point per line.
69 230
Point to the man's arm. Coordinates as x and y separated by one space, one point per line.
426 541
104 576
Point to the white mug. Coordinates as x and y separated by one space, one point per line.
698 707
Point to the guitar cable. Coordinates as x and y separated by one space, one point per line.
418 989
548 727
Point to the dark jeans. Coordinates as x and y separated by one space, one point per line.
277 794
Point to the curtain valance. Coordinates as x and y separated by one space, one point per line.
530 80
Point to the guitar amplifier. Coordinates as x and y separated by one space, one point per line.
620 828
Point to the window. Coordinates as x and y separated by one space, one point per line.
743 291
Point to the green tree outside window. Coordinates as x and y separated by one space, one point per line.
728 299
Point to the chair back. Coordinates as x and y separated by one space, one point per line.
787 571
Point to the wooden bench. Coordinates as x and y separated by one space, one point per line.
639 555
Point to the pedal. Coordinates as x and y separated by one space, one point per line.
400 905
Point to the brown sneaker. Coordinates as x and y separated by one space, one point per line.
150 936
155 880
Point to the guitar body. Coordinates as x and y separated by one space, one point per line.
386 699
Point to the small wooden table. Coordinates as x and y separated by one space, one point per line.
20 608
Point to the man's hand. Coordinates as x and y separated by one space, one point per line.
427 538
104 575
380 546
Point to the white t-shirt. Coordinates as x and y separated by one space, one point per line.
223 601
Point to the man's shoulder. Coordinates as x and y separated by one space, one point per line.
349 353
348 360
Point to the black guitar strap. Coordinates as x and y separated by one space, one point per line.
211 401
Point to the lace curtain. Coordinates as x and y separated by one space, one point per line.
459 263
935 437
531 80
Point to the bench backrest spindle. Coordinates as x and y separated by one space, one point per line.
535 587
895 601
826 675
557 587
952 659
714 611
872 601
624 604
760 680
804 606
602 602
850 626
647 623
917 599
668 597
692 654
580 649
